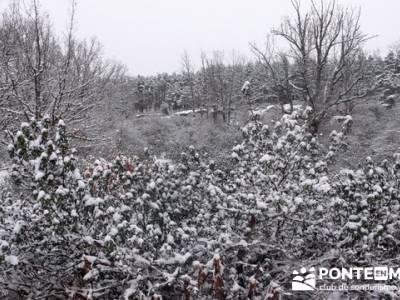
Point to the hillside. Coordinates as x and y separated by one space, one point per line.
374 133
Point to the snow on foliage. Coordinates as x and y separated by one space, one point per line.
11 259
153 229
3 177
246 87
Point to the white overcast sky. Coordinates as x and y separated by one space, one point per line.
149 36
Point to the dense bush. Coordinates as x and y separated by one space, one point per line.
146 229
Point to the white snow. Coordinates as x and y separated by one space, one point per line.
12 260
91 201
187 112
3 176
39 175
266 158
263 110
177 259
41 195
322 186
245 87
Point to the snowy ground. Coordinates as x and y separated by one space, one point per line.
262 111
3 176
178 113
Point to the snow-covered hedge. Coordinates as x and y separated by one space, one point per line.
147 229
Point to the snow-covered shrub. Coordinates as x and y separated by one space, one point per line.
146 229
51 235
285 175
368 208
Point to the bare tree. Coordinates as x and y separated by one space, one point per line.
29 47
221 80
41 75
189 76
235 70
214 82
325 43
278 71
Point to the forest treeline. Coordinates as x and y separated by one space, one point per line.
65 77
